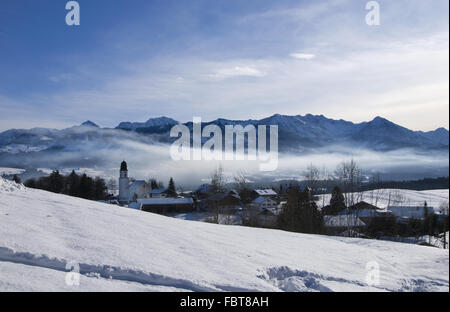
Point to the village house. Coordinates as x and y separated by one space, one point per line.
225 203
338 224
158 193
267 218
410 212
203 191
367 213
264 193
265 202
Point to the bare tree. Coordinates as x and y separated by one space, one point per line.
444 210
112 185
312 175
240 181
218 180
349 177
396 197
242 185
378 192
217 187
326 176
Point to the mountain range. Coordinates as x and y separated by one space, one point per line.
145 143
309 132
296 133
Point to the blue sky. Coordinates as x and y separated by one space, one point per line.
132 60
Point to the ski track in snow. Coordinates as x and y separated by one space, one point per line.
110 272
103 271
291 280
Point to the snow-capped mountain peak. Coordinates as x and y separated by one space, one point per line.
89 123
151 124
161 121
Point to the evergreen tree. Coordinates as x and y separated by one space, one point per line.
56 182
337 201
425 210
86 187
171 192
31 183
153 184
100 189
426 219
73 184
16 179
301 213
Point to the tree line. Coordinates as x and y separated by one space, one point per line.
73 184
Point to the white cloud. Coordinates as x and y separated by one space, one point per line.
358 72
238 71
303 56
60 77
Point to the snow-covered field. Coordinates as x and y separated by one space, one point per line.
120 249
382 198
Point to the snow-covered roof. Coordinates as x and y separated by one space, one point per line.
165 201
342 221
266 212
410 211
363 205
260 199
204 188
135 185
365 213
134 205
158 191
266 192
220 196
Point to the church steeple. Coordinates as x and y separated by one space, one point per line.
123 166
124 183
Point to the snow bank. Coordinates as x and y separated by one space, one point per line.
10 186
124 249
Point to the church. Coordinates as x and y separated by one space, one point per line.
140 195
131 191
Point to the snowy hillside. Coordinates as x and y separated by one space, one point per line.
382 198
124 249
